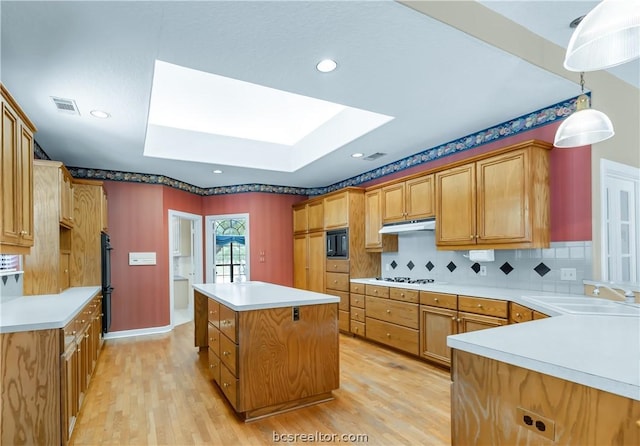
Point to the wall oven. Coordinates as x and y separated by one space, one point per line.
338 244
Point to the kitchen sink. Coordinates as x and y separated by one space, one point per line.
587 305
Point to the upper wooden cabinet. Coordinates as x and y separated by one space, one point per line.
65 185
104 210
373 240
500 201
16 186
336 210
408 200
308 216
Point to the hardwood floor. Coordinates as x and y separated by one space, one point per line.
155 390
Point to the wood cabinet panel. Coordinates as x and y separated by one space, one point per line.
486 396
374 241
357 288
229 385
472 322
357 314
86 255
344 298
393 206
456 206
336 210
214 338
213 313
397 336
65 189
315 215
30 385
481 305
337 266
435 325
420 198
300 216
304 366
519 313
538 315
400 313
377 291
405 295
344 321
214 366
229 323
16 185
357 300
309 261
499 201
337 281
229 354
358 328
440 300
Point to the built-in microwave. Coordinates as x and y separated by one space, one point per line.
338 244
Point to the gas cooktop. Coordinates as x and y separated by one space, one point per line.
405 280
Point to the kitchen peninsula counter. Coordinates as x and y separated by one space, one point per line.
270 348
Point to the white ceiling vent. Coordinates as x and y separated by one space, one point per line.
66 106
374 156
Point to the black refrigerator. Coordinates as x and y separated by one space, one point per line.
106 281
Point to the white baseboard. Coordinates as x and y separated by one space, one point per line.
137 332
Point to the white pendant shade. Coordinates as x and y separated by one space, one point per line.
608 36
582 128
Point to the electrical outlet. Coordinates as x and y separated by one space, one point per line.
387 267
536 423
567 274
483 270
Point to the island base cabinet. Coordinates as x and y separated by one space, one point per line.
491 400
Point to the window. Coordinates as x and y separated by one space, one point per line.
620 222
230 249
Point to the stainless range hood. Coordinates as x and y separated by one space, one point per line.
396 228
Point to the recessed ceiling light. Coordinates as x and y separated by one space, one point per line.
326 65
357 155
217 171
100 114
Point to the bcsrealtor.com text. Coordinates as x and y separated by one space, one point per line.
319 437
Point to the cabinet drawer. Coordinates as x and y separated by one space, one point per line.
400 313
229 385
358 328
214 312
338 281
357 288
402 338
214 367
412 296
537 315
377 290
480 305
519 313
229 354
343 320
440 300
357 314
337 266
357 300
214 338
229 323
344 298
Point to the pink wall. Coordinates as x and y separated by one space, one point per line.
270 229
137 223
570 182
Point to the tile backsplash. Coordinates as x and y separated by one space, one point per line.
10 286
534 269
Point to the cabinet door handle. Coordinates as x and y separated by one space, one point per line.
517 314
401 294
225 353
23 232
435 299
459 320
388 311
453 318
471 236
479 305
225 385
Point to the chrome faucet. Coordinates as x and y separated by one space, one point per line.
628 296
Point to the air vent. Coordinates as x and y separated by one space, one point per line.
66 106
374 156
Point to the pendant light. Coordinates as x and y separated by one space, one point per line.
607 36
585 126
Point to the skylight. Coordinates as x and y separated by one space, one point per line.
204 117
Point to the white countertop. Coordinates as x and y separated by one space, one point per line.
253 295
597 351
44 311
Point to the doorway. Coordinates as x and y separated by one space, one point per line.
227 248
185 264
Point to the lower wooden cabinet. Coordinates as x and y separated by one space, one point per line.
45 375
493 403
435 325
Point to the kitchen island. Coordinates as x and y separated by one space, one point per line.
271 348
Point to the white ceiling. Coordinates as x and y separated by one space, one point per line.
439 84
